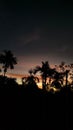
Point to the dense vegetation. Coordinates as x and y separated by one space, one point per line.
29 108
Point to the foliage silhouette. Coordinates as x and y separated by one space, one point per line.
45 71
7 60
64 71
58 80
30 82
71 73
38 108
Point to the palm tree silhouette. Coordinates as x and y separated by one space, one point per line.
45 71
7 60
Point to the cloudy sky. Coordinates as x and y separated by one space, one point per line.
37 31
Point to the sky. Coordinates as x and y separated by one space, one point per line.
37 31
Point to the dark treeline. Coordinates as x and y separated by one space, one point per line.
26 106
58 77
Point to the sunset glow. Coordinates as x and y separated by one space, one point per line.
36 65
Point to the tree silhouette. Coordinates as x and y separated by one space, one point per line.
58 79
64 71
11 83
45 72
30 81
7 60
62 67
71 73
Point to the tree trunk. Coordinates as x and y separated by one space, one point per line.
44 83
67 77
4 73
5 70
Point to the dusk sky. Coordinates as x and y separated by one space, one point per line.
37 31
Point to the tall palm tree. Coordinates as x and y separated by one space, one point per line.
7 60
45 71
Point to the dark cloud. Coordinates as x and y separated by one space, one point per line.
37 31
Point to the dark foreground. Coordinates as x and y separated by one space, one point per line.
30 110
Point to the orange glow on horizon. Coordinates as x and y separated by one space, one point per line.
16 75
20 76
